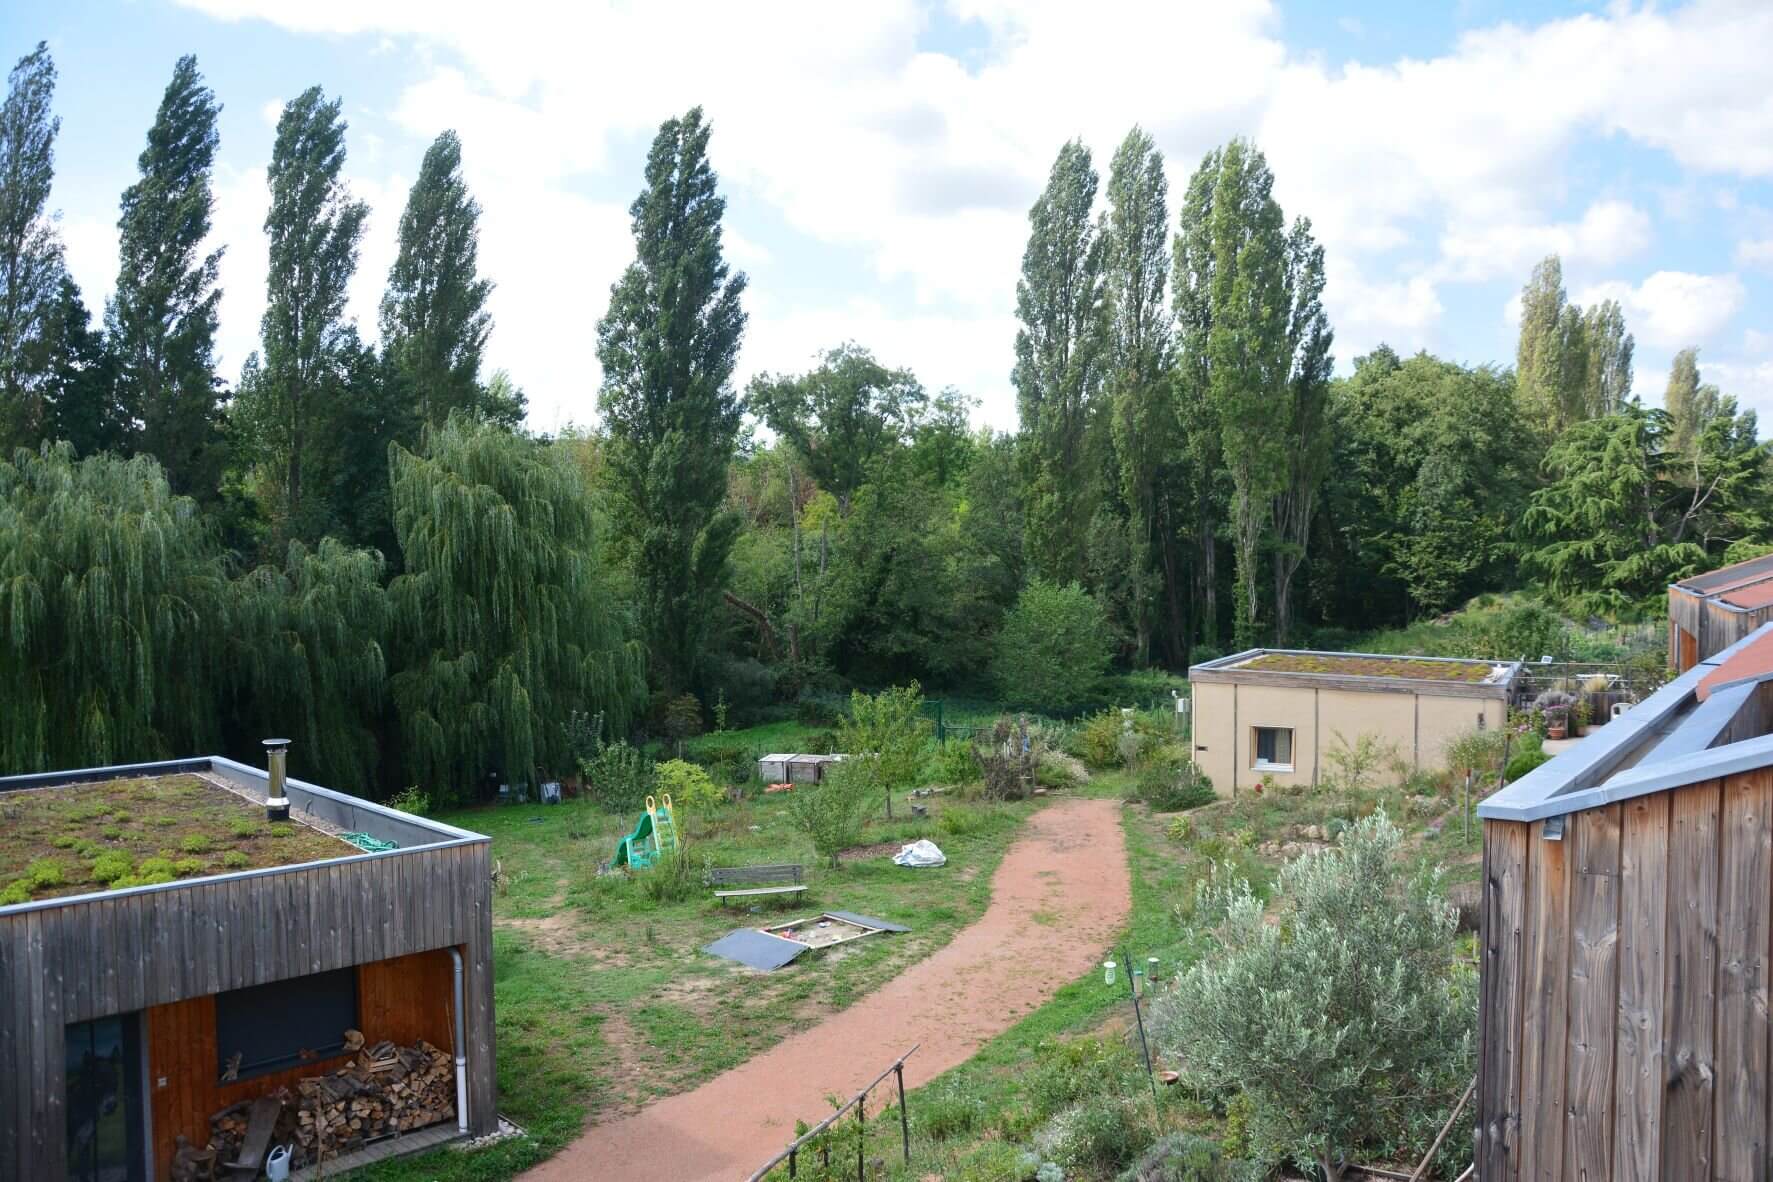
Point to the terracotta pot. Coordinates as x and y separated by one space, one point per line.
1555 730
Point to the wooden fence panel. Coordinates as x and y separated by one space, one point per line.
1639 1060
1594 991
1743 889
1505 886
1689 996
1547 992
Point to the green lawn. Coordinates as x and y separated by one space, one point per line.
604 1000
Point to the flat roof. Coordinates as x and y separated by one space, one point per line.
1724 578
1672 738
1379 667
70 839
177 822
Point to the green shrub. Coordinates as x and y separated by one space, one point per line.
111 865
1053 648
411 800
45 873
947 1111
1097 740
243 827
122 816
617 777
163 821
990 1162
952 762
676 876
1367 1015
194 843
1523 762
235 860
282 829
136 880
16 891
64 841
1180 829
688 786
830 814
1101 1133
185 866
1056 772
1181 1157
1172 787
1066 1071
112 833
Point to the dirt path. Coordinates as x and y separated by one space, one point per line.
1060 894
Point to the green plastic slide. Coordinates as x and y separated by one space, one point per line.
654 834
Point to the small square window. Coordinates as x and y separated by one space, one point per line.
1274 749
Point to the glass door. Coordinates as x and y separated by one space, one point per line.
105 1100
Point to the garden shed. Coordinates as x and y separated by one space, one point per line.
1710 612
1627 884
1279 713
318 969
787 768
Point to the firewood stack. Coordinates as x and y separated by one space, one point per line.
386 1089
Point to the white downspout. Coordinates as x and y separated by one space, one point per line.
455 954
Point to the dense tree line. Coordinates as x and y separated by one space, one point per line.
359 544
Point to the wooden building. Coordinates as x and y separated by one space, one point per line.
1708 613
1623 1019
130 1017
1278 713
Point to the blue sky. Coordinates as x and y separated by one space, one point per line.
879 159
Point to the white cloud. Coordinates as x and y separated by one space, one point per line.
1755 252
1751 382
1608 232
1416 174
89 247
1673 309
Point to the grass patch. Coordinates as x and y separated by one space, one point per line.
603 998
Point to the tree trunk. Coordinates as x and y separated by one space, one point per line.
1332 1170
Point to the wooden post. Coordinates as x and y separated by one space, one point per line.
904 1120
861 1134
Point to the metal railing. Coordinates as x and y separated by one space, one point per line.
859 1102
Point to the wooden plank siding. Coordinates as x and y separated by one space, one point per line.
122 953
1624 1009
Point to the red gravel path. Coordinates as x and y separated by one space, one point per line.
1069 868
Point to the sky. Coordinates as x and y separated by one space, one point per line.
879 158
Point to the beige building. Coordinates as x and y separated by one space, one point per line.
1281 713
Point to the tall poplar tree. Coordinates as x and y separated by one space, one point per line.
1060 365
1146 430
668 345
30 249
1690 405
1192 284
1551 359
434 318
315 228
1610 349
1248 360
162 321
1307 415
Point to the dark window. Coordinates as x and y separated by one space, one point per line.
1274 747
102 1067
285 1023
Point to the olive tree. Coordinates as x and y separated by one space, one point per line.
1343 1016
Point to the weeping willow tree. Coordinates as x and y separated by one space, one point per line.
504 620
110 592
308 642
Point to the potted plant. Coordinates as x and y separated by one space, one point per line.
1554 707
1581 714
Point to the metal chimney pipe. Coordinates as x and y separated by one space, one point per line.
276 802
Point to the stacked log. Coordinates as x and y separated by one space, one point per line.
386 1089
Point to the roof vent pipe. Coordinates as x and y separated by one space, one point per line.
276 800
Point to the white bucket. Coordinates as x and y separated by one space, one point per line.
277 1165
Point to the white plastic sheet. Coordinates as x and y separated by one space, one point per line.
922 852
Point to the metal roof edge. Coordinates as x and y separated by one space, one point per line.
1556 787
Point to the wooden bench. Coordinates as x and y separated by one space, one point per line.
789 876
